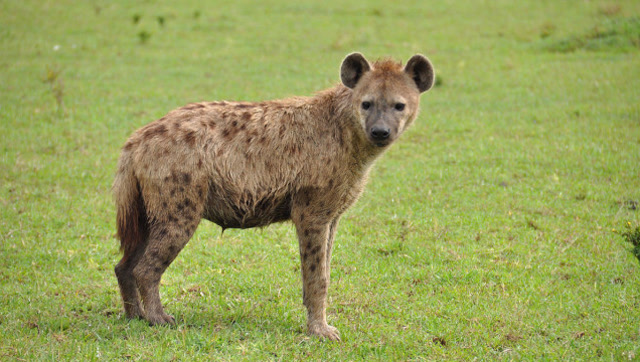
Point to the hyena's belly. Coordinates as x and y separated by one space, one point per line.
246 210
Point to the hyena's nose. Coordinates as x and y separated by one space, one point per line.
380 133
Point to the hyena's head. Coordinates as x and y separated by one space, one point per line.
386 97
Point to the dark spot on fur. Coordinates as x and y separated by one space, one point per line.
190 138
312 267
172 218
249 138
243 127
157 269
225 133
331 183
234 124
211 124
246 116
305 255
243 105
283 129
199 163
306 232
164 204
181 189
315 250
291 149
262 139
172 249
268 165
302 216
186 178
166 263
200 191
154 130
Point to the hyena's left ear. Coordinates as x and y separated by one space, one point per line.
352 69
421 71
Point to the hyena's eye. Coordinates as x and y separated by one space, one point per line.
399 106
366 105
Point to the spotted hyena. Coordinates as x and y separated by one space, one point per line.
242 165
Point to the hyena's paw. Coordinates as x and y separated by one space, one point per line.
324 331
133 311
160 319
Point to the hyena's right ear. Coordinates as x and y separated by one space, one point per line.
352 69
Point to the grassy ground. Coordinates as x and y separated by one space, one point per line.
497 228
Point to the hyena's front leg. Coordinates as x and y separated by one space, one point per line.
330 237
313 237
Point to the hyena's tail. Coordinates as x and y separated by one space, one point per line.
131 220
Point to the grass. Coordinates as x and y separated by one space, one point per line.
619 34
490 231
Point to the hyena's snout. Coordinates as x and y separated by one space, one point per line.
380 133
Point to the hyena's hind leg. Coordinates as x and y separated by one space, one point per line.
168 235
128 285
133 232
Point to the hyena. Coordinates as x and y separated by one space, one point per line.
242 165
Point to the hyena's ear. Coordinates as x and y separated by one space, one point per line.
421 71
352 69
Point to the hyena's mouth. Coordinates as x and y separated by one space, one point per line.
380 142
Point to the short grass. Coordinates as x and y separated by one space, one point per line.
501 226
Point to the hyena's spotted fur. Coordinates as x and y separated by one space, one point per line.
242 165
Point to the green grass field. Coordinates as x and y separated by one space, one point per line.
498 227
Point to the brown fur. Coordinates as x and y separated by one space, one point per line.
242 165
